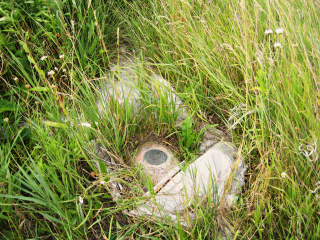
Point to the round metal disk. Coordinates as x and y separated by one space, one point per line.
155 157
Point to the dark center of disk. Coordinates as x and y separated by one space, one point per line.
155 157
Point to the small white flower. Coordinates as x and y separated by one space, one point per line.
50 72
86 125
269 31
271 61
56 69
277 44
61 56
80 200
279 30
15 79
6 119
64 70
102 182
43 58
283 175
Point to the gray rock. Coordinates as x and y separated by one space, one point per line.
211 136
122 86
122 92
97 151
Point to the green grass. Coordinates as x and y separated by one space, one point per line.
216 55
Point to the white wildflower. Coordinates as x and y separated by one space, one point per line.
279 30
283 175
102 182
56 69
50 72
267 32
15 79
277 44
43 58
6 119
271 61
86 125
61 56
64 70
80 200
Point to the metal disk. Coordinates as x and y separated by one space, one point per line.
155 157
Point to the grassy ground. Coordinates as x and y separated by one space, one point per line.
217 54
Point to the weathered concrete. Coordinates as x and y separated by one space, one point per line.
207 175
156 172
